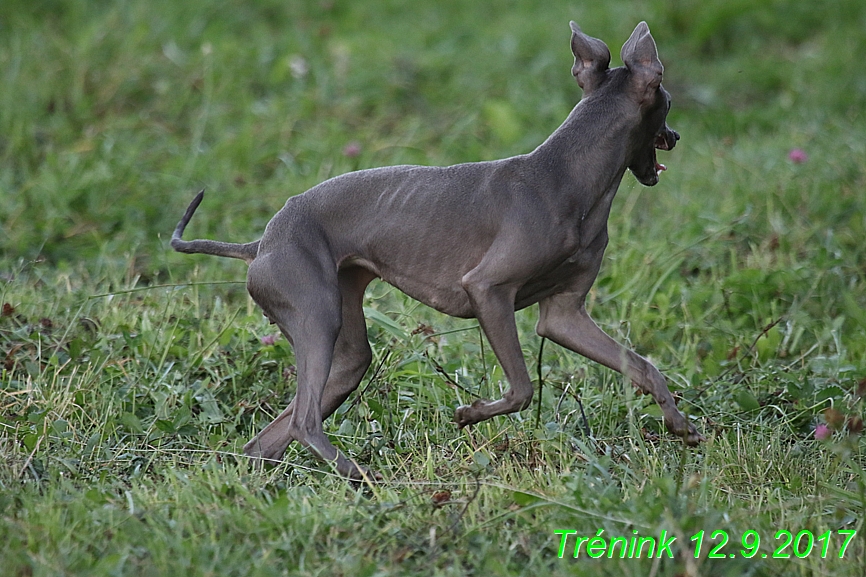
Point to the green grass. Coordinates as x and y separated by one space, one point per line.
132 375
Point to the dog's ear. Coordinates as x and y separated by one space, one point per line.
640 56
591 59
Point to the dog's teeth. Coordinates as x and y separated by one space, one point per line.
660 168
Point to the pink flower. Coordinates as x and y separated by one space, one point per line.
823 432
269 339
798 156
352 150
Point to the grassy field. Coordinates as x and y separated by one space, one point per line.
131 375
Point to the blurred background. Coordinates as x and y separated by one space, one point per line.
132 375
114 113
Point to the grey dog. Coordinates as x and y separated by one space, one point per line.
477 240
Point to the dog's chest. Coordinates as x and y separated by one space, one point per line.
576 271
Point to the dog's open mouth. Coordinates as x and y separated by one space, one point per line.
661 143
647 169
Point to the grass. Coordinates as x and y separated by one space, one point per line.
132 375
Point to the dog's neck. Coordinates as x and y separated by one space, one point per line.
587 157
590 148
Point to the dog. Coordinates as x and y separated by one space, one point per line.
476 240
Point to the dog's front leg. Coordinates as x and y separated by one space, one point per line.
494 308
563 319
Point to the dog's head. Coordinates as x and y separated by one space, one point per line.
640 81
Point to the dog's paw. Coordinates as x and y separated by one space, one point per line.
680 426
461 418
467 414
363 475
263 453
693 438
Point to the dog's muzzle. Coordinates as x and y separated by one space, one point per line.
666 139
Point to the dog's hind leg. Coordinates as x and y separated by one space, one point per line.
298 291
352 358
563 319
352 354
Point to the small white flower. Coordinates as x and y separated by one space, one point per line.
298 66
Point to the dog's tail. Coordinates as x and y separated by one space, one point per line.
245 252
